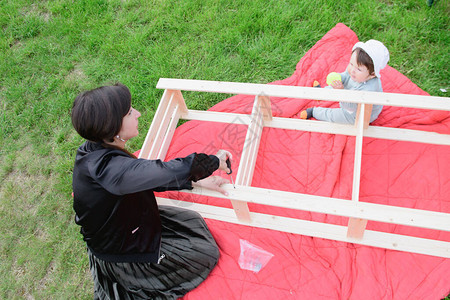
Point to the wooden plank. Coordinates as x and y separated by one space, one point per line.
180 100
256 131
378 132
266 107
356 227
155 125
174 118
162 128
321 230
367 113
179 107
312 126
214 116
248 158
334 206
241 211
359 123
251 146
408 135
379 98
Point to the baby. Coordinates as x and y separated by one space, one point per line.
362 73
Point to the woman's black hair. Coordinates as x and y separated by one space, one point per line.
97 114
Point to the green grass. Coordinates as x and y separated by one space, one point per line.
52 50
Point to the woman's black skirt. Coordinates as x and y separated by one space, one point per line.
188 252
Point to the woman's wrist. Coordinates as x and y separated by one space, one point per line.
203 166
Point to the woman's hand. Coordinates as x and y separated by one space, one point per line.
223 155
212 183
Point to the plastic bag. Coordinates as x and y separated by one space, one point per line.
252 257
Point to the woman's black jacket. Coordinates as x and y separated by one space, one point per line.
114 201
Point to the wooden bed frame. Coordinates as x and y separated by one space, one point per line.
172 108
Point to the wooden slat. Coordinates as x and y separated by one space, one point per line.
214 116
367 114
310 125
248 157
359 123
272 90
162 128
334 206
241 210
155 125
321 230
180 100
357 226
266 108
407 135
256 131
251 146
378 132
174 118
179 107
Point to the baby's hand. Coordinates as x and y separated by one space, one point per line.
337 84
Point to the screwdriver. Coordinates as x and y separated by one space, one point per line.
229 167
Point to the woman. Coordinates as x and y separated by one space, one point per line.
136 249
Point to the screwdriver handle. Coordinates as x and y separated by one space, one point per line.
229 166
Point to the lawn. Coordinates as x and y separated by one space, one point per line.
52 50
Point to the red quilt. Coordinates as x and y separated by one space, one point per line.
397 173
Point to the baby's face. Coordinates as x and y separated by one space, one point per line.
358 73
